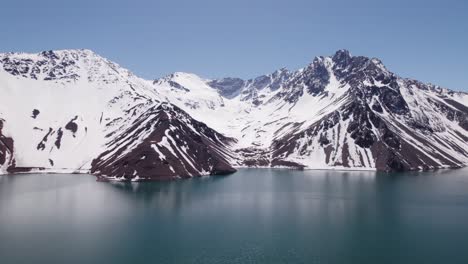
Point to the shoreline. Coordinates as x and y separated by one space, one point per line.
105 178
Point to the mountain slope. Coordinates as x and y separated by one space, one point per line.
338 112
165 142
63 109
6 151
385 122
75 111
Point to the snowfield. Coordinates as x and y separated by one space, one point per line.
72 110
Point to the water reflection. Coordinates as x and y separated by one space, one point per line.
255 215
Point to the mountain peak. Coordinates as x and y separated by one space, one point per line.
341 111
342 55
53 53
76 51
177 76
282 69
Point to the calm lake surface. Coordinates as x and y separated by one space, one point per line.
252 216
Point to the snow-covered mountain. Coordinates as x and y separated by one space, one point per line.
73 110
340 112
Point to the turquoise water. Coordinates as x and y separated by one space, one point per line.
252 216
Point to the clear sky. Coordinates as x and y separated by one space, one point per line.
425 40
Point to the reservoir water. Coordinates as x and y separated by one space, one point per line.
252 216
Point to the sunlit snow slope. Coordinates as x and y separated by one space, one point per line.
60 110
73 110
339 112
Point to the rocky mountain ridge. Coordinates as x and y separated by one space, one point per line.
75 111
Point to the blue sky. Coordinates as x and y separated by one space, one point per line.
426 40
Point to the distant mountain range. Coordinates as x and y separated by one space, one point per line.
74 111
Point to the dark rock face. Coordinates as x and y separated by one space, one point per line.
248 89
274 81
314 77
228 87
376 117
173 145
58 141
6 150
50 67
342 58
255 157
72 125
41 146
35 113
390 149
178 86
459 114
